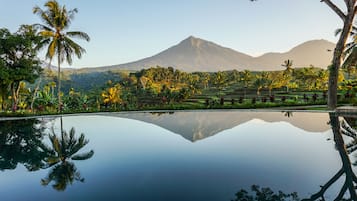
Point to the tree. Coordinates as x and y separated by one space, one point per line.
112 95
260 81
274 80
337 61
288 72
288 66
56 21
18 60
246 78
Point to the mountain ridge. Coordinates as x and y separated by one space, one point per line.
196 54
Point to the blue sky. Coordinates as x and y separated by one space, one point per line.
127 30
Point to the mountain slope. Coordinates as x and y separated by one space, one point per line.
194 54
316 52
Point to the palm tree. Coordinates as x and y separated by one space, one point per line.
56 21
288 71
288 66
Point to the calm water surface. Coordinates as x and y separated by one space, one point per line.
179 156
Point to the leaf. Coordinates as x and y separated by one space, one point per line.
83 156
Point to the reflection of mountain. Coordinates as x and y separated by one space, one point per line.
199 125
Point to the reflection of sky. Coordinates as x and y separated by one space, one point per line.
139 161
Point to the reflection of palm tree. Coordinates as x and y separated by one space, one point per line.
350 177
65 148
62 174
288 113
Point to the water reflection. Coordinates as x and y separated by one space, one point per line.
249 148
21 142
196 126
63 150
345 138
24 142
340 127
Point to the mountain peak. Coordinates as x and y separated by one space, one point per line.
193 41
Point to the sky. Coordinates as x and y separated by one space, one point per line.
123 31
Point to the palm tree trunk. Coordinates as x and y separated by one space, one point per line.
59 83
14 98
34 94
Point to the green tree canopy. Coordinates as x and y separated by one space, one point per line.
18 60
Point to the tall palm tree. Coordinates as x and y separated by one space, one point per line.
288 66
56 21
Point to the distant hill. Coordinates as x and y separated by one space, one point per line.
316 52
195 54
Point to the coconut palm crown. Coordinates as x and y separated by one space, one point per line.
56 21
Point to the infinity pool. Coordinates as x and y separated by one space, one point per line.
181 156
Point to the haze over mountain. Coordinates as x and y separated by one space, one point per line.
195 54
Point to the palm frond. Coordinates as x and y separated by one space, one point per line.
47 33
83 156
337 32
71 47
351 147
52 160
56 144
79 35
51 49
43 15
351 59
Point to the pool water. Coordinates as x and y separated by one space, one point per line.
179 156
